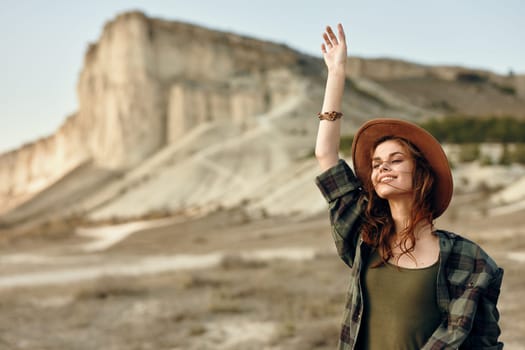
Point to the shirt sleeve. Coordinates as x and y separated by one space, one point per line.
478 327
485 327
344 194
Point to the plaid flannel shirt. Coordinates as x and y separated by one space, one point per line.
468 284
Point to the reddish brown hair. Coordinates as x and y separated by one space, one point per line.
378 228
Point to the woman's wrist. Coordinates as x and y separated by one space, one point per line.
337 70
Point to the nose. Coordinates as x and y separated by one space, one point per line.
385 166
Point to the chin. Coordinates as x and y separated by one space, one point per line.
388 195
382 195
383 192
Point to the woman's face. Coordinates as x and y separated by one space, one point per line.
392 170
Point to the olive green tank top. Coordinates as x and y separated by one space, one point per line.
400 306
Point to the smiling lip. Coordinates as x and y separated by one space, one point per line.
386 179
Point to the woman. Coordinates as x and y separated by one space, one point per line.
411 286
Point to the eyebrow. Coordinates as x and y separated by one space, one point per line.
389 156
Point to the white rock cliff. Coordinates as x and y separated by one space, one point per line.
174 116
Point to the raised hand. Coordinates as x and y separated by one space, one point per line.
334 48
334 53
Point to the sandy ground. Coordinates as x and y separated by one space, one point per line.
219 282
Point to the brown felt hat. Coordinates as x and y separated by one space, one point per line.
375 129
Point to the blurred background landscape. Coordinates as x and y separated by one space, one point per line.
175 208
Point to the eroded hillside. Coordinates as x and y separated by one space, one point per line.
171 125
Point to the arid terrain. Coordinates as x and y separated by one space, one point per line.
222 281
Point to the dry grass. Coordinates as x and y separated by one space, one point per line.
110 288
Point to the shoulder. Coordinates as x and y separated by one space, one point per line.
464 246
464 255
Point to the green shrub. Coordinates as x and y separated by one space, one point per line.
468 129
469 152
506 156
471 77
346 144
517 155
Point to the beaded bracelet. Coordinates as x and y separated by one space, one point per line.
331 116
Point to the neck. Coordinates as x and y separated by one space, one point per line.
401 214
400 211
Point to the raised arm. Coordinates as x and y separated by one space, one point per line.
328 135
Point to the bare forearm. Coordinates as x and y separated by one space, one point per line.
329 133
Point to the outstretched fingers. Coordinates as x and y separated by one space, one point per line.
331 34
341 33
331 40
327 41
334 47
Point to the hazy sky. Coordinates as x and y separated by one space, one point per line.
43 42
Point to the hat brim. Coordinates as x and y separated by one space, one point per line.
373 130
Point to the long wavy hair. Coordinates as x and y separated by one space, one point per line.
378 228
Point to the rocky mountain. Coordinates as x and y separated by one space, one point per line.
176 118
